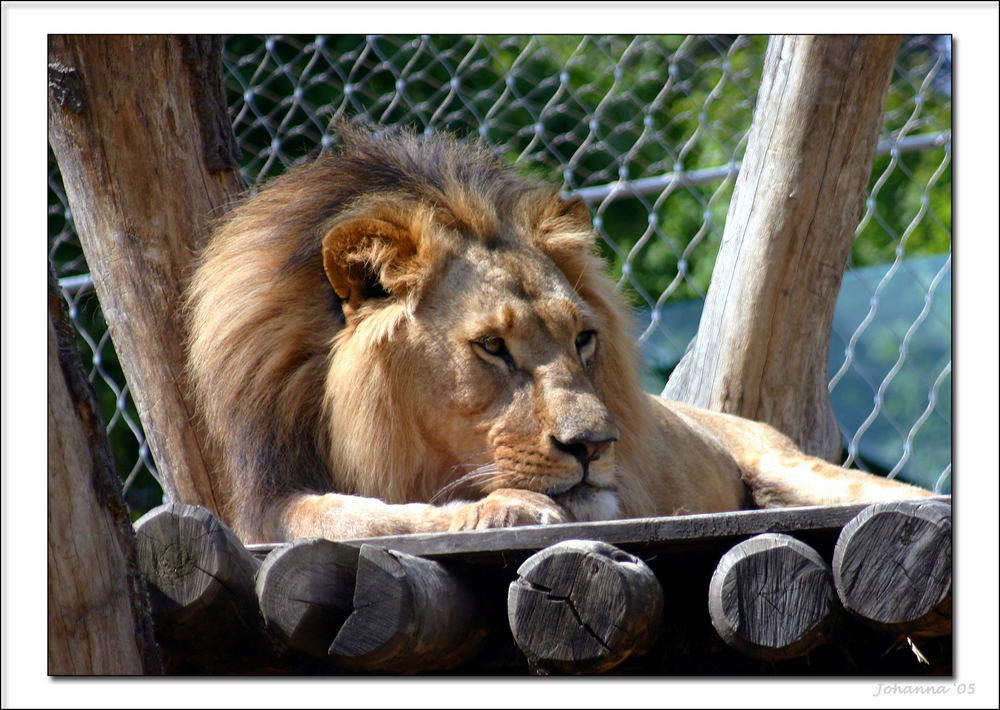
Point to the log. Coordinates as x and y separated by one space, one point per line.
140 130
583 606
194 561
98 611
305 591
763 342
892 566
410 615
201 589
771 597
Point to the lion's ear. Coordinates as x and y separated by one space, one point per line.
576 211
369 258
556 214
563 227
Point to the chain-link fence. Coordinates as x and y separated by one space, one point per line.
650 132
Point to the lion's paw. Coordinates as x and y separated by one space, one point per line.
508 507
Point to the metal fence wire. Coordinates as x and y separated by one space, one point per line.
650 132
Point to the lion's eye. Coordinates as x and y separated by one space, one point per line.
495 347
586 344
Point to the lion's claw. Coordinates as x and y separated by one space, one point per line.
508 507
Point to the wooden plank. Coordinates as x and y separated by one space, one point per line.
405 620
640 535
583 607
772 597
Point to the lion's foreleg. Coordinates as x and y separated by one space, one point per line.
337 516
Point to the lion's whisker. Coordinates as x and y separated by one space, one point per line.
481 473
472 476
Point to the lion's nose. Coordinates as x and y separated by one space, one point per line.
584 449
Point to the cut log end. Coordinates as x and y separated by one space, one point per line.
772 597
892 566
583 607
190 559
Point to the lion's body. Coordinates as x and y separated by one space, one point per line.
407 337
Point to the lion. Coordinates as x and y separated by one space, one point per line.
407 336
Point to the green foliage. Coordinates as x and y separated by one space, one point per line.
909 211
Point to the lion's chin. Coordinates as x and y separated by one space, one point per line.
587 503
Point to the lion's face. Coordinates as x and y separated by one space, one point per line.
507 350
493 362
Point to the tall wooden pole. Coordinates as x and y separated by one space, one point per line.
98 610
763 342
140 130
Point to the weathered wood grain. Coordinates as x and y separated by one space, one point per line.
772 597
762 344
140 129
892 566
194 561
583 606
201 590
305 590
410 615
98 612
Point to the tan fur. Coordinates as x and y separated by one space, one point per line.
408 337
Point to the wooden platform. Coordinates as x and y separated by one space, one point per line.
843 590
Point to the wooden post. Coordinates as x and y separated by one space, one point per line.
141 132
410 615
763 341
583 606
305 590
201 581
98 613
771 597
892 566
